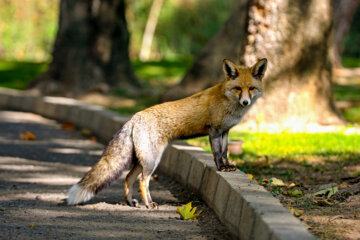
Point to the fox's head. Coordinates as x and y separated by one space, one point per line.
244 84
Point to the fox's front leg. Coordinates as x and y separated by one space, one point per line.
215 137
224 148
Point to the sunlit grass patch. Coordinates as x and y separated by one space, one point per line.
292 144
292 155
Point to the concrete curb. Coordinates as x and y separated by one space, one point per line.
246 208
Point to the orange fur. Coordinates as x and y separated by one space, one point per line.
141 141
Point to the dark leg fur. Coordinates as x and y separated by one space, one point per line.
219 143
215 137
224 148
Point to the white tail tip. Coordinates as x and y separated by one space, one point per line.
78 194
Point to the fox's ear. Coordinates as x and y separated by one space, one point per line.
230 69
258 70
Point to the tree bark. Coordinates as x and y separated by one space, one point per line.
90 50
295 37
344 11
150 28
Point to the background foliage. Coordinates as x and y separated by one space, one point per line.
28 28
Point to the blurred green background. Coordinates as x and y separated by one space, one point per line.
28 29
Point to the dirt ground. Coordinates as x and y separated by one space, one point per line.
335 217
35 176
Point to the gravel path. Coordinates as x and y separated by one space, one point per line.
35 176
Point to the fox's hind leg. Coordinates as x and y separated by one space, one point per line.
149 145
129 182
145 192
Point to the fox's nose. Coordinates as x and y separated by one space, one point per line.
245 102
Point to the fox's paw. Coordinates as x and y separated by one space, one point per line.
133 203
231 168
228 168
152 205
223 169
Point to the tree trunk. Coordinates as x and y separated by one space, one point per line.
90 50
149 32
344 11
295 37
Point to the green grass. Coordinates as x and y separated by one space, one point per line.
347 93
18 75
291 156
161 71
349 62
352 114
291 144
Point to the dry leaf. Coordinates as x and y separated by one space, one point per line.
67 126
323 202
31 225
276 182
28 136
265 180
250 175
93 139
296 212
187 212
291 185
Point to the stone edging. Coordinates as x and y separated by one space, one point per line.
247 209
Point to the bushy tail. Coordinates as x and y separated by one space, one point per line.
116 158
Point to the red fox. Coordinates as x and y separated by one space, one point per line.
139 144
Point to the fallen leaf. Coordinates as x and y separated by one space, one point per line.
294 211
67 126
291 185
31 225
93 139
297 212
276 182
250 175
86 132
265 180
187 212
28 136
327 192
323 202
295 193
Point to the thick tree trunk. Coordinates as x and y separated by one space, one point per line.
295 37
90 51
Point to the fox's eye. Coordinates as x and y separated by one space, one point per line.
237 88
251 88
